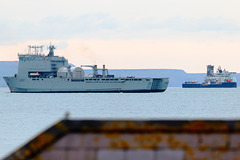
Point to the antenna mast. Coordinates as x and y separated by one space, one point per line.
51 50
36 49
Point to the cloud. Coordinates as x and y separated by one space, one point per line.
187 24
104 26
60 27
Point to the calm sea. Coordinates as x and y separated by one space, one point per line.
23 116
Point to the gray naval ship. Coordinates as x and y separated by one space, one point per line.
39 73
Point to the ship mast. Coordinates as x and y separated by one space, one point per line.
51 50
36 49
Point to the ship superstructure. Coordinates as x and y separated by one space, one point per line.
220 79
38 73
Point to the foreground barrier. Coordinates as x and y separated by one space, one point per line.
135 139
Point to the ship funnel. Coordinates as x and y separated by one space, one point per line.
104 72
210 70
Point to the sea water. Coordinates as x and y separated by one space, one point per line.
23 116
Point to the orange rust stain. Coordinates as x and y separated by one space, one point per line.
204 147
115 144
124 144
200 159
223 148
144 141
195 156
148 141
62 127
220 148
118 125
96 139
128 126
27 152
201 126
149 137
111 136
173 142
149 146
41 140
116 141
190 151
193 126
216 155
225 138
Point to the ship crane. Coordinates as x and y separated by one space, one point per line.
95 70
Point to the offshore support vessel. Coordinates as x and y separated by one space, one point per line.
222 79
39 73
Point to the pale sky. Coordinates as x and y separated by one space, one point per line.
126 34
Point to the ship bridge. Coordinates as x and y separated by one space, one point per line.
36 61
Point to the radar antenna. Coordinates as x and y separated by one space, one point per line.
36 49
219 70
51 50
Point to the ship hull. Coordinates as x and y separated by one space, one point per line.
222 85
62 85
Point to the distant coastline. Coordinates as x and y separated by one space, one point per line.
176 76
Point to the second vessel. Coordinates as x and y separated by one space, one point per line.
222 79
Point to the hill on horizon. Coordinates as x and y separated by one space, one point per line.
176 76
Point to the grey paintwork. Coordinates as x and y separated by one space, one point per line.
46 68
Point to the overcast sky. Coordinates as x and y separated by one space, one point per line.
169 34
